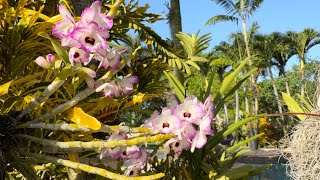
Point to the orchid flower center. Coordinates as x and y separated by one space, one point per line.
186 114
90 40
131 173
177 144
165 125
76 55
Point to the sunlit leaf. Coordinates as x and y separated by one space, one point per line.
78 116
293 106
4 88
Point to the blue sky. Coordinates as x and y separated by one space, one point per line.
273 15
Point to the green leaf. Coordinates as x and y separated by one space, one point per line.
176 86
293 106
193 64
62 53
305 102
216 139
242 143
219 102
219 62
228 80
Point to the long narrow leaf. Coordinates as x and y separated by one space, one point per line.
232 90
234 147
178 92
305 102
228 80
214 140
62 53
293 106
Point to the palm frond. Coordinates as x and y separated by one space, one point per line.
221 18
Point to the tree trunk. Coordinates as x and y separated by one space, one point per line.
287 85
80 5
175 27
276 94
175 23
253 144
302 85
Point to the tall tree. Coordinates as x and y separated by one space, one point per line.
302 42
240 10
266 46
175 23
283 52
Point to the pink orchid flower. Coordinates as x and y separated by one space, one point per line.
79 56
93 14
167 122
126 84
201 137
46 63
109 58
190 110
65 26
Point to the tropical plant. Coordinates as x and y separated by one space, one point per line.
302 42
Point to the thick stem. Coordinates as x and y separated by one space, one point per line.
97 144
53 87
79 97
87 168
113 11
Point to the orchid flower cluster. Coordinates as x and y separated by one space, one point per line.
87 40
190 122
135 157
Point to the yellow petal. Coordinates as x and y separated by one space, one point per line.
78 116
137 98
4 88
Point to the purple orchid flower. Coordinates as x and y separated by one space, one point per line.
89 37
126 84
109 89
93 14
167 122
79 56
47 63
109 58
131 152
190 110
204 129
63 28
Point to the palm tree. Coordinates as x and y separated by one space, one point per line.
239 10
266 46
283 52
302 42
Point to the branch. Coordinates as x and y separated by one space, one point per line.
79 97
113 11
97 144
75 127
87 168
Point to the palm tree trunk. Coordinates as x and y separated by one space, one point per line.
236 119
175 27
287 85
276 94
80 5
175 24
302 85
253 144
